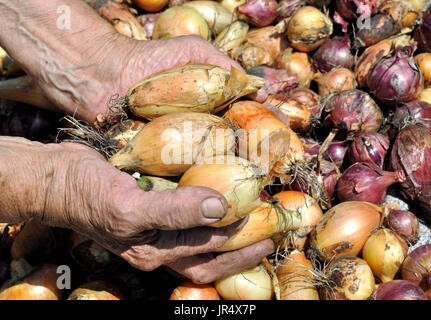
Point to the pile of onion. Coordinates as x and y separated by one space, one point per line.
369 147
334 53
259 13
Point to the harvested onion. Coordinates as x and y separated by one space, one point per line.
232 37
425 95
424 62
334 81
297 63
231 4
417 268
96 290
121 133
404 223
259 13
191 291
385 252
400 290
150 5
251 284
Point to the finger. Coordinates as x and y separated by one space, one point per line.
183 208
210 267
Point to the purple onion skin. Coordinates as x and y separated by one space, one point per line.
311 148
259 13
286 8
336 152
334 53
369 147
413 111
149 22
397 78
422 33
352 112
404 223
411 153
417 268
400 290
366 182
353 9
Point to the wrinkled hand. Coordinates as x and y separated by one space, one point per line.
147 229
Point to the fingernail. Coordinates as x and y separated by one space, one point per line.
212 208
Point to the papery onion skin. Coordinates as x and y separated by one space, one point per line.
268 38
385 252
252 56
336 152
251 284
370 147
307 37
413 112
308 98
96 290
353 9
148 21
399 290
411 152
121 133
352 112
232 37
296 63
334 81
380 27
334 53
350 278
344 229
366 182
425 95
191 291
404 223
295 279
259 13
424 62
417 268
396 79
286 8
231 4
423 32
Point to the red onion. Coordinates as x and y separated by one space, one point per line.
276 81
423 32
352 112
397 78
341 21
417 268
369 147
286 8
399 290
366 182
411 153
336 152
148 21
334 53
353 9
259 13
412 112
311 147
404 223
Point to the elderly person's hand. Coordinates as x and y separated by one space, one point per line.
74 187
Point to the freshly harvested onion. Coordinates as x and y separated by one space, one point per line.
150 5
352 112
216 16
148 21
121 133
385 252
369 147
399 290
380 27
259 13
295 279
192 88
350 278
96 290
296 63
308 36
286 8
251 284
366 182
237 179
424 62
232 37
148 183
308 98
334 81
181 21
177 142
415 111
268 38
404 223
396 78
191 291
344 229
425 95
231 4
423 32
252 56
336 152
417 268
403 13
298 114
40 284
334 53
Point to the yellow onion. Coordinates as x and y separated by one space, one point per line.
344 229
191 291
296 279
308 29
425 95
171 144
298 114
424 62
216 16
385 252
192 88
251 284
232 37
96 290
181 21
252 56
297 63
121 133
349 278
310 213
231 4
150 5
268 38
334 81
266 221
237 179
